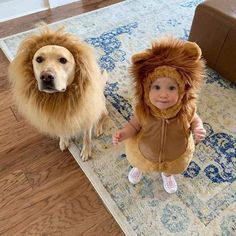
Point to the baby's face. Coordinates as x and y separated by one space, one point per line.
164 93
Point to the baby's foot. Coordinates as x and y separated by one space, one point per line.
169 183
135 175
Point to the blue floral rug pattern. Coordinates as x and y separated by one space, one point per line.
205 203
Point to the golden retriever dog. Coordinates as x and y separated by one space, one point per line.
58 87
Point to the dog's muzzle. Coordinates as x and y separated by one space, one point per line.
47 81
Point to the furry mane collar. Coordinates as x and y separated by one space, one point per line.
86 70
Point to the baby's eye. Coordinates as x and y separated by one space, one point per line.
172 88
157 87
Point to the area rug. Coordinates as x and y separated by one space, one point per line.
205 203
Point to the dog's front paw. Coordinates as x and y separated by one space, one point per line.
98 131
64 143
99 127
85 154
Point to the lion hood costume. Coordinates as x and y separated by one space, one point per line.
165 142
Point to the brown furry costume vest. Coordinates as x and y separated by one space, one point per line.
163 139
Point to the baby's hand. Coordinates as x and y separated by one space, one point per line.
199 134
117 137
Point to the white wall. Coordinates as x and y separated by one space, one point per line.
10 9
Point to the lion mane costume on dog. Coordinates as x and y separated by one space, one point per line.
165 142
64 114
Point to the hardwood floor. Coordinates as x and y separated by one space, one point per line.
42 190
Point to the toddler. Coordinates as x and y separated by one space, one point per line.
159 137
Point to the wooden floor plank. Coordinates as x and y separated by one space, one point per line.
5 99
18 132
3 68
12 186
7 118
30 206
24 154
50 167
108 226
76 217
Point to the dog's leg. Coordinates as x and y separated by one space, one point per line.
99 126
64 143
87 145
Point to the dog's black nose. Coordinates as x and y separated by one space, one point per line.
47 76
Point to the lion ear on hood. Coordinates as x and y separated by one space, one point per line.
140 57
193 50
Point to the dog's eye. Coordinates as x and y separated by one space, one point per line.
39 59
63 60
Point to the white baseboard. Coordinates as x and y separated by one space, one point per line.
57 3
